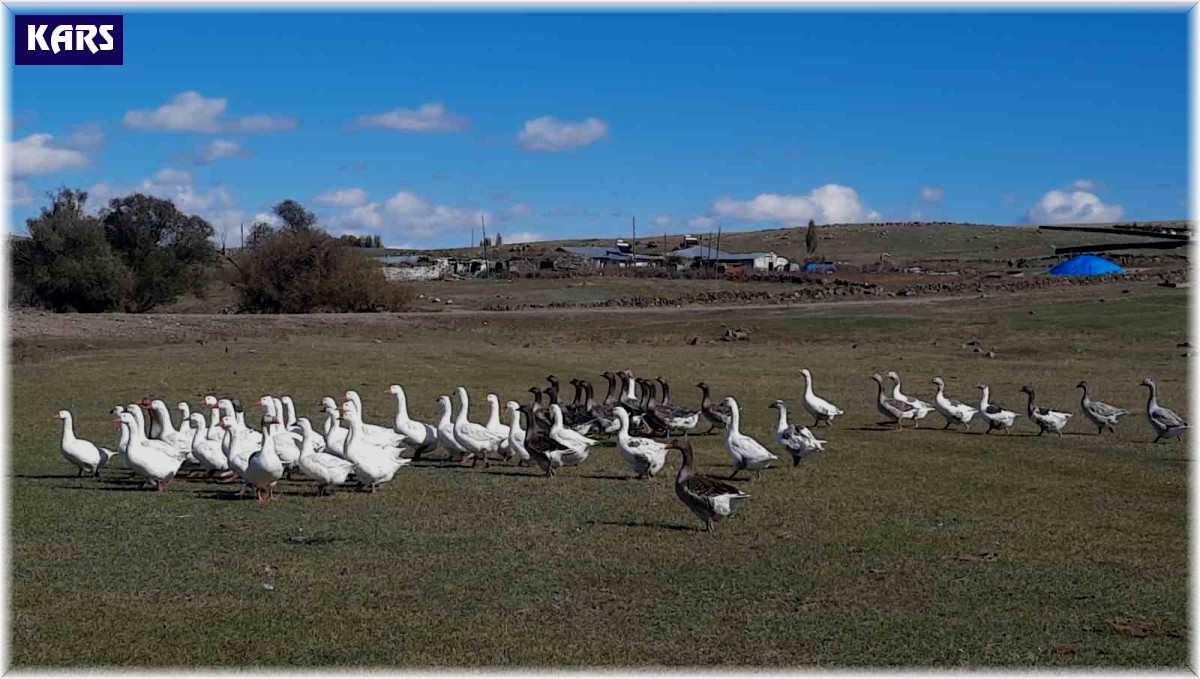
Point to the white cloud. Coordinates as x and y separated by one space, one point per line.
342 197
1083 185
933 195
828 204
434 117
663 220
191 111
408 214
515 211
215 204
19 193
549 134
702 222
266 217
212 151
523 237
40 154
1075 207
86 137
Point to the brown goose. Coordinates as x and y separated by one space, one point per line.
604 412
709 499
650 415
717 414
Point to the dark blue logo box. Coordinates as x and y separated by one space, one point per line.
69 40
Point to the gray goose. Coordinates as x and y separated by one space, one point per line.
894 409
717 414
651 415
1165 422
1100 413
709 499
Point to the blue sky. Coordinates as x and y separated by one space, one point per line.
412 124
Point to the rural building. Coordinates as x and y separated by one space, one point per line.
602 256
734 261
414 267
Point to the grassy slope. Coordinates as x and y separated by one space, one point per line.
854 557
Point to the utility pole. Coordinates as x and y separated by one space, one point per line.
709 259
487 266
633 242
242 231
718 253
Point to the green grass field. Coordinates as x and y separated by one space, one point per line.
917 548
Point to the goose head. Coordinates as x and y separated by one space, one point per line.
730 403
462 394
394 390
122 418
197 421
443 402
537 394
621 414
777 404
305 424
1149 383
210 401
702 385
1082 385
557 413
493 400
878 379
1027 390
680 444
938 381
806 373
893 376
512 407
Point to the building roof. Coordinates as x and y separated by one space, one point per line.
611 254
705 252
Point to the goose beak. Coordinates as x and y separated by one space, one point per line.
117 421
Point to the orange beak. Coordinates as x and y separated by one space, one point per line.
116 422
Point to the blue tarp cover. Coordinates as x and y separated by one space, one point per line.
1085 265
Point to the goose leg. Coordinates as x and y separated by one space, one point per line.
947 425
1158 438
1041 431
710 527
79 473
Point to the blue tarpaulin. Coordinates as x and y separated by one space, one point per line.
1085 265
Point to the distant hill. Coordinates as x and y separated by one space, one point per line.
855 243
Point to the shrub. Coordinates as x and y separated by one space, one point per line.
66 264
302 270
167 252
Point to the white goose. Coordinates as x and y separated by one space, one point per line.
955 412
166 429
1046 419
287 449
227 410
746 452
82 453
568 437
236 445
215 431
185 419
150 462
445 429
493 421
333 431
383 436
476 439
373 464
819 408
264 469
797 439
1166 424
516 435
644 456
206 451
324 469
922 407
123 436
994 415
134 410
420 436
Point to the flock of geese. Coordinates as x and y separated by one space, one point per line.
544 432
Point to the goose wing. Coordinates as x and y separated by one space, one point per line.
1167 418
708 487
1106 410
